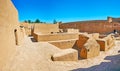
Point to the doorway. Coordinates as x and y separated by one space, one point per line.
16 36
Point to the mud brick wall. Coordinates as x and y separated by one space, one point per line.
92 27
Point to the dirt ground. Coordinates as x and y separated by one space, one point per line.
36 56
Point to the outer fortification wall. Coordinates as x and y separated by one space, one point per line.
92 27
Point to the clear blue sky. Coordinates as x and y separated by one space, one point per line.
67 10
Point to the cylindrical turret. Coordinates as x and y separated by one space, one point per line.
109 19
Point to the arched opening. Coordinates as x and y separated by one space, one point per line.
114 31
16 37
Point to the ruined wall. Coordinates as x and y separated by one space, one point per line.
92 27
82 40
28 28
8 26
55 37
64 44
95 35
71 30
42 28
88 46
66 55
46 28
106 42
93 48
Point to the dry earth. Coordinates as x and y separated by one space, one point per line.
36 56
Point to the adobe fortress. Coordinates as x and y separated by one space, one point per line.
76 46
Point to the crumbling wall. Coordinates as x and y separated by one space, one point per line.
66 55
55 37
10 34
88 46
95 35
64 44
46 28
106 42
92 48
82 40
71 30
28 28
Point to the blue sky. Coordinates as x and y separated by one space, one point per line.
66 10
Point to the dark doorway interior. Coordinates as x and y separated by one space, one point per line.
16 37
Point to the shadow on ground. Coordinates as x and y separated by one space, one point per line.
112 65
33 40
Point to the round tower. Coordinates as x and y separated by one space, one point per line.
109 19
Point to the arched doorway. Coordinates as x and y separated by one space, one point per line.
16 36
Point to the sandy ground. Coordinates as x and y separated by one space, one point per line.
36 56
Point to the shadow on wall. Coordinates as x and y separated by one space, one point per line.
78 49
113 65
